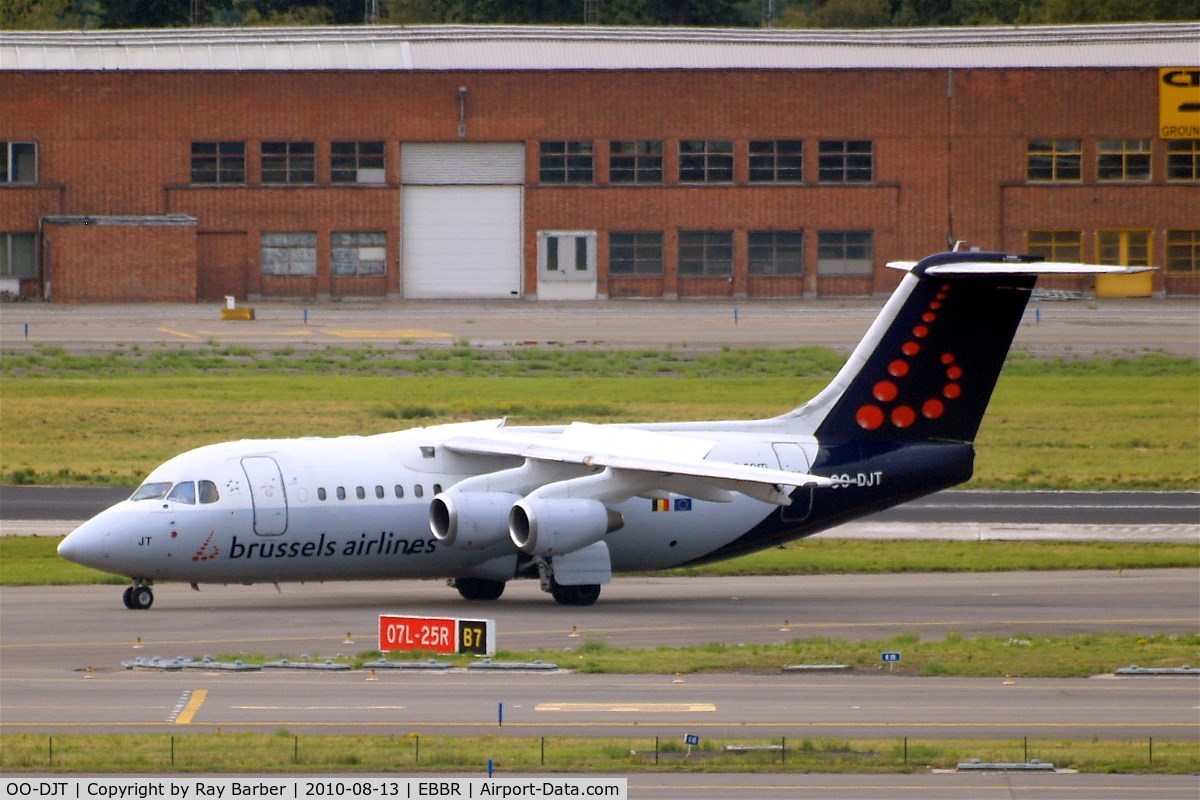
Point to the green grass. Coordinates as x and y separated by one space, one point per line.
283 752
952 654
1127 424
32 560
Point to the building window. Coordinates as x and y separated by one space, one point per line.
639 253
1123 160
218 162
574 255
845 253
1183 160
18 255
359 254
565 162
776 252
706 161
18 162
635 162
356 162
706 253
845 162
289 254
1055 245
777 162
1126 248
1183 251
289 162
1054 160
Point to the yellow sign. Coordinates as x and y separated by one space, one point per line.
1179 103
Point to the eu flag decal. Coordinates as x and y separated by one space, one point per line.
683 504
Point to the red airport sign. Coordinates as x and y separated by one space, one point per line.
445 635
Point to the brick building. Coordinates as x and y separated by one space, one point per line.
576 163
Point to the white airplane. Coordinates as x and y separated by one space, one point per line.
482 503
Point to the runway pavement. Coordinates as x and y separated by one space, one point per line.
48 636
1072 329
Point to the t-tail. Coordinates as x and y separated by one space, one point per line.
926 369
899 421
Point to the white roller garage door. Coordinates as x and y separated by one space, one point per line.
462 219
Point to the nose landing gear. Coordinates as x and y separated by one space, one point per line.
139 596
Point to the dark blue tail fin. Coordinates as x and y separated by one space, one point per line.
927 367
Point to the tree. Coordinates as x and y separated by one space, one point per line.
838 14
145 13
43 15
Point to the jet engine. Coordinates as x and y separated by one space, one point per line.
550 527
470 520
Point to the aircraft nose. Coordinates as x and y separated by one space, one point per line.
85 545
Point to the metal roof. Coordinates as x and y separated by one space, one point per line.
505 48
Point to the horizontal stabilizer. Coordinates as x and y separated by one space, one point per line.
1019 267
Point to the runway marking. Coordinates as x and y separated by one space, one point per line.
627 708
178 333
196 700
389 333
317 708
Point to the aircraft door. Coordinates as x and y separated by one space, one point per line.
793 458
267 494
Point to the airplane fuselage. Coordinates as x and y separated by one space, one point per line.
358 508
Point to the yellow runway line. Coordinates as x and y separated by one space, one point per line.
193 705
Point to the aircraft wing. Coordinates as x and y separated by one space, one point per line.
654 460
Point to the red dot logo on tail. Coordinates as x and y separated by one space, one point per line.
871 417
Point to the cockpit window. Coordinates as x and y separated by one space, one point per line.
151 491
183 493
208 492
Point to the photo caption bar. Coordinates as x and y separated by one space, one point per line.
239 788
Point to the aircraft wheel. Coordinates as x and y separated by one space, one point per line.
479 588
583 595
127 597
141 597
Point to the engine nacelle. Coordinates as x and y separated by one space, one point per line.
544 527
470 520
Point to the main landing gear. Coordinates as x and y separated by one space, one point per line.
139 596
582 595
479 588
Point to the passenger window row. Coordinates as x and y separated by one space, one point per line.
361 493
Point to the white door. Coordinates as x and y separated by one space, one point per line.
566 265
462 207
462 242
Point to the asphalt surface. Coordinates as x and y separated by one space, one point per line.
1071 328
48 636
